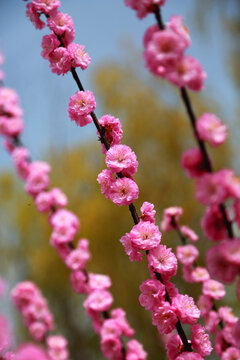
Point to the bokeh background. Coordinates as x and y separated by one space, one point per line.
155 126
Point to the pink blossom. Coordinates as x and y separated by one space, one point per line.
148 212
37 179
60 61
97 319
189 356
189 233
174 347
80 58
211 321
30 351
187 72
230 250
236 333
112 130
81 104
163 52
120 316
227 315
23 293
34 16
149 34
135 351
187 254
192 162
78 281
152 294
200 274
9 102
29 301
65 226
163 261
171 216
210 189
111 347
20 156
57 347
134 255
49 44
211 129
77 259
143 7
11 126
110 328
231 182
200 340
62 25
176 24
123 191
213 224
231 353
171 289
218 267
228 333
46 6
220 343
121 158
145 236
185 308
99 282
58 197
37 330
105 179
214 289
98 300
43 201
187 273
164 318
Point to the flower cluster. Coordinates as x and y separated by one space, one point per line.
117 183
212 290
28 299
58 47
33 307
164 55
144 7
11 123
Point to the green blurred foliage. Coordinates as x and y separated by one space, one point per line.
155 126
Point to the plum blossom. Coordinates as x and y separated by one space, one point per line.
200 340
81 104
214 289
145 236
163 261
143 7
211 129
152 294
192 162
185 308
164 318
121 158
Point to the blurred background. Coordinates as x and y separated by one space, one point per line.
155 126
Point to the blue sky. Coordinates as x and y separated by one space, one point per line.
100 24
